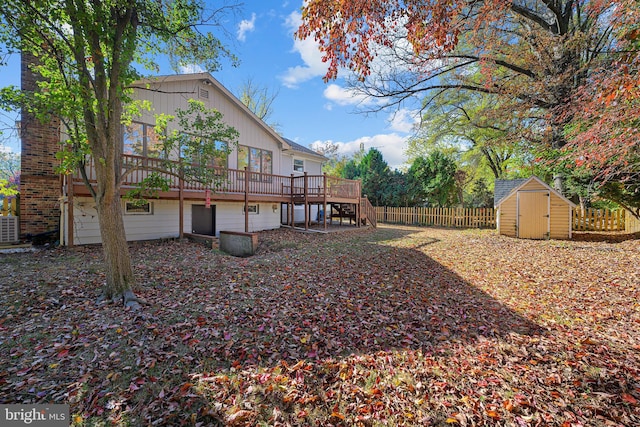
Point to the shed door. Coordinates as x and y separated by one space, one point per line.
533 214
203 220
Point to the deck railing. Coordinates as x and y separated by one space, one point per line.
368 211
136 168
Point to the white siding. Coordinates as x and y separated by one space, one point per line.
298 214
230 216
311 166
163 223
252 134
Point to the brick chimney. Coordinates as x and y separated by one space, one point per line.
40 185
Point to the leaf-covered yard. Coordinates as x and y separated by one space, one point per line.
394 326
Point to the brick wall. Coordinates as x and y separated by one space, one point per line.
40 185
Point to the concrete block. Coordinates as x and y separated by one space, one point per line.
238 244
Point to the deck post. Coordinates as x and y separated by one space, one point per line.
306 202
181 205
246 199
324 201
359 201
290 217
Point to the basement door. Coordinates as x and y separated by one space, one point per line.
533 214
203 220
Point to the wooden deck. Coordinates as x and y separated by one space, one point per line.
235 185
229 184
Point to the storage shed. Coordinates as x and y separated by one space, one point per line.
530 209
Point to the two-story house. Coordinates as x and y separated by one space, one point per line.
265 182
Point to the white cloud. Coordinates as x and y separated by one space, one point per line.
191 69
246 26
309 53
404 120
344 96
392 146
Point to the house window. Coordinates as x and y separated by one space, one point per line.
298 165
138 208
243 157
255 160
253 209
195 152
141 139
221 159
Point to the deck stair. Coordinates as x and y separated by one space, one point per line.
344 210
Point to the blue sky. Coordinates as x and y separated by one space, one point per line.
306 109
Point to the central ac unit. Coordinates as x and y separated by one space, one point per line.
9 229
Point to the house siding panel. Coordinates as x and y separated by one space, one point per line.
312 167
163 223
251 134
230 217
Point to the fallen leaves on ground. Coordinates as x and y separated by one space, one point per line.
394 326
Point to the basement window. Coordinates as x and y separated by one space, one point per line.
253 209
138 208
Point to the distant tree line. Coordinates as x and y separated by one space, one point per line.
432 180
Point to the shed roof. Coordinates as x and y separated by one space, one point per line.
503 187
511 186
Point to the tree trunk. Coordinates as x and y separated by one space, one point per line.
583 203
120 279
557 143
